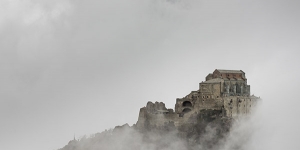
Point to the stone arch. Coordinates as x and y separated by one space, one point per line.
187 104
186 110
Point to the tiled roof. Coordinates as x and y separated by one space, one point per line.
230 71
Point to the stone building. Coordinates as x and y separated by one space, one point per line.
225 91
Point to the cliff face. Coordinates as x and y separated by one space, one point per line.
206 129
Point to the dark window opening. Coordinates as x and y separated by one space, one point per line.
207 96
187 104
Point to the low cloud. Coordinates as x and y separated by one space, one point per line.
64 64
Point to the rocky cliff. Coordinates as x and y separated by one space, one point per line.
205 129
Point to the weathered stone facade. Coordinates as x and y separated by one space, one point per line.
225 91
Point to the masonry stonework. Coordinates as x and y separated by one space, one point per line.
224 91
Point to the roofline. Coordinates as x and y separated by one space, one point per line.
220 70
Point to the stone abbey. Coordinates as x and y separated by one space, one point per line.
201 119
223 94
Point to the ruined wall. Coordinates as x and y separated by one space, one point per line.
151 117
155 114
155 107
141 119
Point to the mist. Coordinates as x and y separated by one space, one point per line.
247 133
78 67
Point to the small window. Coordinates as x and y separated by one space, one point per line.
217 96
203 96
244 105
250 105
207 96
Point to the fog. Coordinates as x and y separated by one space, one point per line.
247 133
80 67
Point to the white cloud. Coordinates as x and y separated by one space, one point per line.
65 60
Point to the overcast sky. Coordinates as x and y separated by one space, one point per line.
79 67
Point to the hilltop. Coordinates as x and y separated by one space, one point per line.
201 120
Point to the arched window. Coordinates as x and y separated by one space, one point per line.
187 104
186 110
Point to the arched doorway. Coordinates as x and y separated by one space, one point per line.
186 110
187 104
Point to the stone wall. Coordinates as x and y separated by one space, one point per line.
224 91
239 105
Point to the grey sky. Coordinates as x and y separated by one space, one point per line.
82 67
